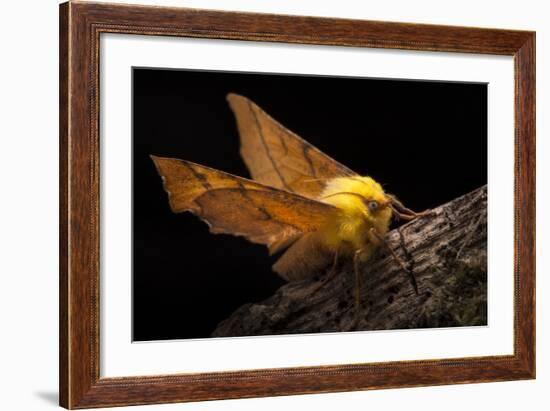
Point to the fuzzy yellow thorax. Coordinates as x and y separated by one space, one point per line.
348 229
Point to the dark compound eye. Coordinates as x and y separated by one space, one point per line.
373 205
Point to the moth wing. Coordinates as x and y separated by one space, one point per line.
238 206
305 257
277 157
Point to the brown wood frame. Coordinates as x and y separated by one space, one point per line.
80 27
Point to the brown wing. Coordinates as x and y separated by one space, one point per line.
306 257
234 205
279 158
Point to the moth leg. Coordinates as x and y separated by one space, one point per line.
361 255
357 306
376 236
404 213
415 214
409 217
328 277
404 217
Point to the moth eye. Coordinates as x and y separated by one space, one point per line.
373 205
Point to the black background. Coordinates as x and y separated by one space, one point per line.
426 142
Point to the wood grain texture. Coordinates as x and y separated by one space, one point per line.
63 205
80 27
524 204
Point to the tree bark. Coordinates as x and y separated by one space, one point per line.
445 253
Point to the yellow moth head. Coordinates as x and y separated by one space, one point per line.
359 196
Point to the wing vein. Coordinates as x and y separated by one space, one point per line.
266 147
305 149
198 175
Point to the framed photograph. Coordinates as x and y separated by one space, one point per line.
259 205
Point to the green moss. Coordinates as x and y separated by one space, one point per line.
459 295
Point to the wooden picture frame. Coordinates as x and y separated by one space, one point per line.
80 27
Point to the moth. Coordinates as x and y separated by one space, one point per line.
300 202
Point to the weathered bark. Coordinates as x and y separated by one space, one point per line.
447 253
